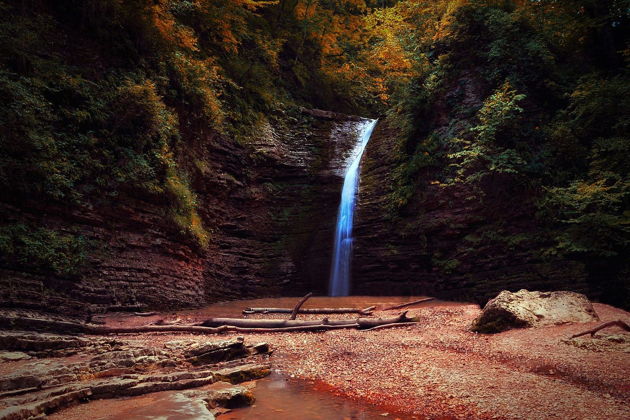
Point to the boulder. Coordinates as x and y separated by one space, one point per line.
524 309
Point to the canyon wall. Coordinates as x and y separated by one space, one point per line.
447 242
269 206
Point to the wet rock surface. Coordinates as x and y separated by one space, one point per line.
58 371
524 309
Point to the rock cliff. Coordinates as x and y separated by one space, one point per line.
270 207
446 242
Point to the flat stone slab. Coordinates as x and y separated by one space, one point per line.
11 356
243 373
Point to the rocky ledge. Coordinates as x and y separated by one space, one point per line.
43 373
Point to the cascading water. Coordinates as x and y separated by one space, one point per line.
342 252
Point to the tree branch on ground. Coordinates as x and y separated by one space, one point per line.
618 323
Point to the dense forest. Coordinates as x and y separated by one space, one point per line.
106 101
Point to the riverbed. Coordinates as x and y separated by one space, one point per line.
434 369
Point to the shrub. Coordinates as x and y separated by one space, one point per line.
43 250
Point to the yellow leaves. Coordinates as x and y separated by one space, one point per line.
597 187
228 39
306 9
201 78
254 5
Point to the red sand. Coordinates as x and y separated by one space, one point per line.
438 369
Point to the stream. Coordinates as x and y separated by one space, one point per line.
278 397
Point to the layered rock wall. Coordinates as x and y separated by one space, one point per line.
446 242
269 205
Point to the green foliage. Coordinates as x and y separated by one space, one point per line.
445 266
529 104
502 41
183 209
426 155
42 250
595 215
594 208
482 155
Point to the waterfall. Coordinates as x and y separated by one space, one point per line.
342 252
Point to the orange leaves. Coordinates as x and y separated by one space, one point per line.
173 33
228 38
200 78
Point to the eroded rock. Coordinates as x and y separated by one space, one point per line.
126 368
243 373
54 345
225 395
11 356
525 309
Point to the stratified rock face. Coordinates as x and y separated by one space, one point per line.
446 242
269 205
47 380
525 309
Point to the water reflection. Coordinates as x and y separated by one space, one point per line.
279 398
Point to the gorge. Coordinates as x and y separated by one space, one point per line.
403 162
180 163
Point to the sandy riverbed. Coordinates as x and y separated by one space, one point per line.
438 369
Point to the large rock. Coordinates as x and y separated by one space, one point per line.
524 309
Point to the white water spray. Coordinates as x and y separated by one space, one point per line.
342 252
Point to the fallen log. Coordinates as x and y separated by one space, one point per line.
206 330
618 323
244 326
98 330
295 310
284 323
318 311
405 305
227 328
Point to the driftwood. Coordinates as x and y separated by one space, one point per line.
395 324
318 311
618 323
145 313
405 305
362 323
329 115
214 325
204 330
295 310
